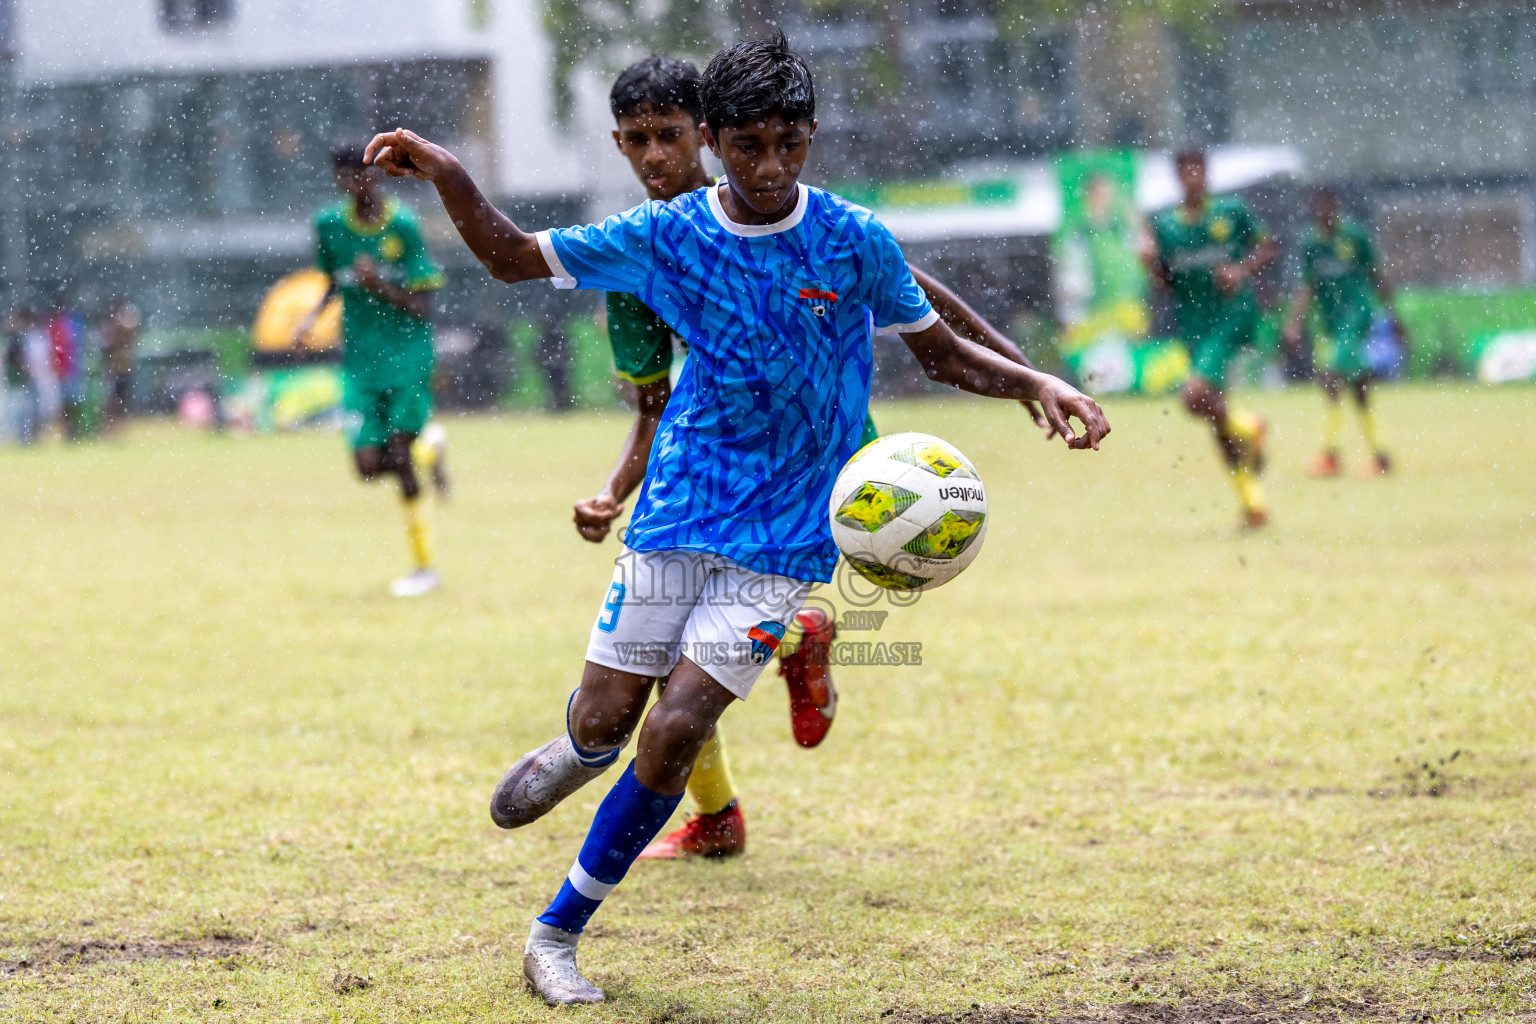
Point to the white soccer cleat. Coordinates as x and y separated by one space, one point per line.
538 781
422 581
549 964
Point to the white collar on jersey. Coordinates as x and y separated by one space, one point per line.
802 200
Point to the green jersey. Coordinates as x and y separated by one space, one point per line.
384 346
1340 270
1192 247
641 340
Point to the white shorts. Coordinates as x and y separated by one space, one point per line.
667 605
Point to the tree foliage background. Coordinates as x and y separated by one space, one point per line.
1110 37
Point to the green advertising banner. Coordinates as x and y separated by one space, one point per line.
1099 283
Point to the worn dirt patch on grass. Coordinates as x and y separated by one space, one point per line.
53 955
1192 1011
1505 947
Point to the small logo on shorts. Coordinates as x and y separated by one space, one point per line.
765 637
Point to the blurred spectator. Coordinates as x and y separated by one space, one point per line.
66 335
119 336
20 397
42 378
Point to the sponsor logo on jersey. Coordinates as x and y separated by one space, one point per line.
765 637
1221 229
391 247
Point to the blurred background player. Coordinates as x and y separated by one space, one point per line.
119 336
656 109
1206 251
370 246
1339 271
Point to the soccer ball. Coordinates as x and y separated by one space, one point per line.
909 512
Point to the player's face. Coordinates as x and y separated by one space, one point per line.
662 150
1192 177
763 161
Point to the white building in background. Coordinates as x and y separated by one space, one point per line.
176 150
496 49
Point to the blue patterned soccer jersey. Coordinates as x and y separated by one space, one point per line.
779 320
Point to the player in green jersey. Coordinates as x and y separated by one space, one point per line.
371 247
655 103
1206 251
1339 273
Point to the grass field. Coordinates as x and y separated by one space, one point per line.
1148 769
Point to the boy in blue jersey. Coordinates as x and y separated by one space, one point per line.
778 290
657 115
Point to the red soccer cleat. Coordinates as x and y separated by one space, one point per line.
705 835
1323 464
808 674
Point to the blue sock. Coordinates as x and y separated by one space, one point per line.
629 817
590 758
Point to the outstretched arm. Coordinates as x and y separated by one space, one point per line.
508 252
964 320
593 515
952 360
1230 276
968 323
1152 261
1262 255
1299 303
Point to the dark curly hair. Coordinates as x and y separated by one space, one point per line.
663 84
755 80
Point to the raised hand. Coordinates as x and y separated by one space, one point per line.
1059 401
402 153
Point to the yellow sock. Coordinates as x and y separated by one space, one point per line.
423 454
711 785
419 531
1369 428
1241 425
1246 484
1333 422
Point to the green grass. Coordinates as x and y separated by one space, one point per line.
1145 759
